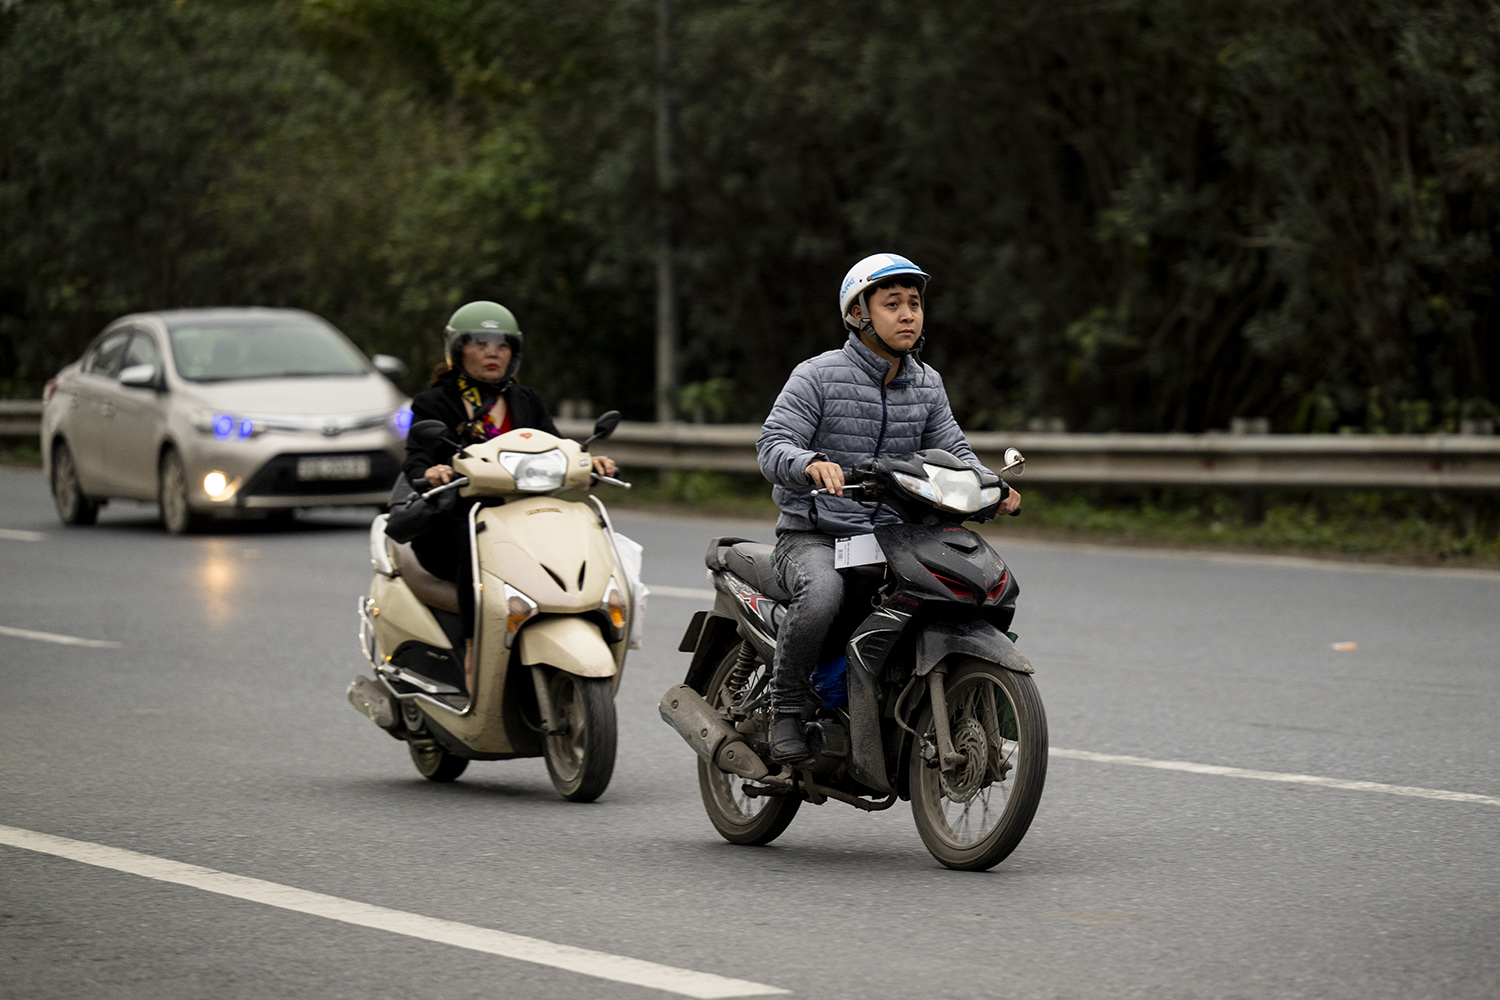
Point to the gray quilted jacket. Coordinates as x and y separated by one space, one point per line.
836 408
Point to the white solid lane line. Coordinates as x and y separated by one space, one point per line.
18 535
1293 779
598 964
61 640
688 593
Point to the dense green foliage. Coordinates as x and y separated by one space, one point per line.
1142 214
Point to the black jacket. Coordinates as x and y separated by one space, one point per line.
443 402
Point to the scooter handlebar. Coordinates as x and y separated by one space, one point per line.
611 480
452 484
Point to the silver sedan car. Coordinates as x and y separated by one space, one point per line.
222 410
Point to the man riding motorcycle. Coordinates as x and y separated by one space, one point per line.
874 396
476 395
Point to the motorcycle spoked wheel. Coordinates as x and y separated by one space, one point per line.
581 760
740 818
974 817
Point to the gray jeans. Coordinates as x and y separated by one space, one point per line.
804 564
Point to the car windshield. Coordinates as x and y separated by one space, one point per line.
283 347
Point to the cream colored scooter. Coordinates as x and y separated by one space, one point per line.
554 605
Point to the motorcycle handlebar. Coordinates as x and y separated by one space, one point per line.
847 488
611 480
452 484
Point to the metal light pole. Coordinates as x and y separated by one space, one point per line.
666 282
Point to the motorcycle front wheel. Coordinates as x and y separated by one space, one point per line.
740 818
972 817
581 760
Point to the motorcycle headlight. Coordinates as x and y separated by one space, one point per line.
914 484
536 473
957 490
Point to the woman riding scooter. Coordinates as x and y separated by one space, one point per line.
475 394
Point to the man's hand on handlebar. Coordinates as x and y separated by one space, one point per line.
826 476
439 474
1011 504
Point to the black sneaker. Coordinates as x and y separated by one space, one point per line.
788 742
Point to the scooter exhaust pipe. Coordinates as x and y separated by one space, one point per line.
373 702
712 738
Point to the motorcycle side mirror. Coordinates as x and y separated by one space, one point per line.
426 433
603 427
1014 461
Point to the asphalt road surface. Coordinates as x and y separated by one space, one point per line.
203 723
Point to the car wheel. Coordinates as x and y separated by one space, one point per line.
172 495
72 506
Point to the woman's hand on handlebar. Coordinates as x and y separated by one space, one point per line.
439 474
826 476
604 466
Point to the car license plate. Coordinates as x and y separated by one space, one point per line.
334 467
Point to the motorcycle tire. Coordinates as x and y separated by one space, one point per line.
972 818
739 818
436 764
582 760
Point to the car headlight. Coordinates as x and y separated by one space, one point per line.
224 426
536 473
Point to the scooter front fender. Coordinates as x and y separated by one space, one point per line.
570 644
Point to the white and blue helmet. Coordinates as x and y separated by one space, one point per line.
869 272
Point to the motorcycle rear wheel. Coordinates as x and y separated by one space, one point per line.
582 760
973 818
740 818
436 764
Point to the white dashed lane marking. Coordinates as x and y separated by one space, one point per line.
687 593
61 640
601 965
1281 776
18 535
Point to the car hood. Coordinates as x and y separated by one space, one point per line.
298 396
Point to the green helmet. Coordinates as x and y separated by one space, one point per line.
482 317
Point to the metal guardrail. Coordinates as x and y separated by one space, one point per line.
1237 461
1223 461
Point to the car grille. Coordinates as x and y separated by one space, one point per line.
278 477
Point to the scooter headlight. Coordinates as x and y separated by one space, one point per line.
536 473
519 609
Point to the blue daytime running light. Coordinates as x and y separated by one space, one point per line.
401 421
247 427
223 426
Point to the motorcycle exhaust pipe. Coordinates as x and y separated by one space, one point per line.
373 702
712 738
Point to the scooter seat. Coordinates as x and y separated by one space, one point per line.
751 562
430 590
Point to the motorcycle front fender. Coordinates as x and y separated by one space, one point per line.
569 643
978 639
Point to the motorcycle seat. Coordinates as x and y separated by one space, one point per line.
751 562
430 590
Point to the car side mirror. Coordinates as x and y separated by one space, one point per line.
139 376
603 427
1014 461
389 365
426 433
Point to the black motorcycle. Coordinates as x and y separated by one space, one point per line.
924 695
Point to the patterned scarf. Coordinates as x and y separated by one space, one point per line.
484 397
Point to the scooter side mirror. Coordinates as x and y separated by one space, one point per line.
426 433
603 427
1015 461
